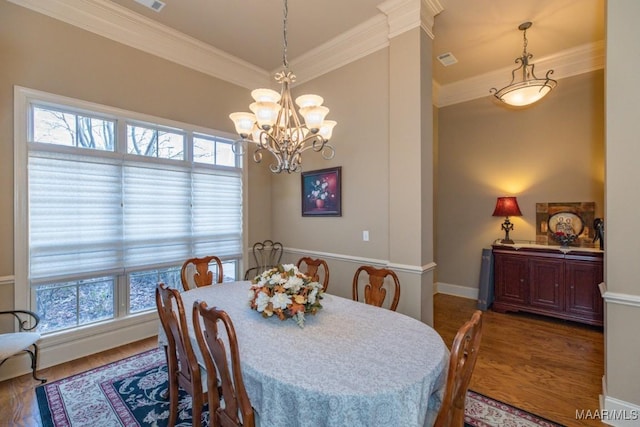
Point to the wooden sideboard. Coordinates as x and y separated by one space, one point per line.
549 281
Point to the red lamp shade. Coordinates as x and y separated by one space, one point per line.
507 206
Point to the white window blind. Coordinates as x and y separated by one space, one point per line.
157 218
74 217
91 218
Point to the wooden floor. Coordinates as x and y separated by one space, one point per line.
548 367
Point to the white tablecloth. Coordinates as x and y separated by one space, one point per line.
351 365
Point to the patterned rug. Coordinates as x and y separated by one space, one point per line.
128 393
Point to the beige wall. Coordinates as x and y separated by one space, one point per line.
550 152
622 270
358 98
45 54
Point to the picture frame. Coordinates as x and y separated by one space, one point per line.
321 192
552 217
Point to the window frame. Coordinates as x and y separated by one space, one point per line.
23 99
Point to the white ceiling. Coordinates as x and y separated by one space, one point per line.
482 34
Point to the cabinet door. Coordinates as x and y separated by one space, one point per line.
546 283
510 278
583 295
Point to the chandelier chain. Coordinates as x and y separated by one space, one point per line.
285 13
526 42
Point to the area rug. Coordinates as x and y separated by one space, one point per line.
482 411
129 393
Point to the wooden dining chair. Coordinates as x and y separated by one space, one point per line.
237 409
182 365
374 291
462 360
266 255
315 268
195 272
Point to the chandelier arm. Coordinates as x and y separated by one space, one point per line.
319 145
257 154
238 147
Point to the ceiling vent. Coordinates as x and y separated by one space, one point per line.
447 59
156 5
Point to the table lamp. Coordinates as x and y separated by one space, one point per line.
506 207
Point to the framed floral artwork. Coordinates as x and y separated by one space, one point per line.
322 192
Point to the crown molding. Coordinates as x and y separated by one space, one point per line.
117 23
403 15
348 47
397 17
428 12
570 62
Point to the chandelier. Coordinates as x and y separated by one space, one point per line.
274 125
525 88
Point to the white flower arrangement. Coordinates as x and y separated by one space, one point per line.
285 292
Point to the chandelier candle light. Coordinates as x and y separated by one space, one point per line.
274 125
525 88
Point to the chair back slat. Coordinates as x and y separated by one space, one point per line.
195 272
374 290
316 269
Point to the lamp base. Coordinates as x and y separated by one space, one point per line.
507 241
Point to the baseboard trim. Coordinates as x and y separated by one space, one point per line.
456 290
616 412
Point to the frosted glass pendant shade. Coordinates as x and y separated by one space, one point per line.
265 95
326 130
243 122
309 100
314 116
525 95
266 113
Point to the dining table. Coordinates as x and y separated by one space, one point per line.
352 364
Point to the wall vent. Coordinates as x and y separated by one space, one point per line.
156 5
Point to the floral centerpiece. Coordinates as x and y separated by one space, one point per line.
565 239
285 292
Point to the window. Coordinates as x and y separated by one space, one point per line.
116 202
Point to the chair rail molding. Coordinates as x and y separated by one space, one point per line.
618 297
7 280
405 268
